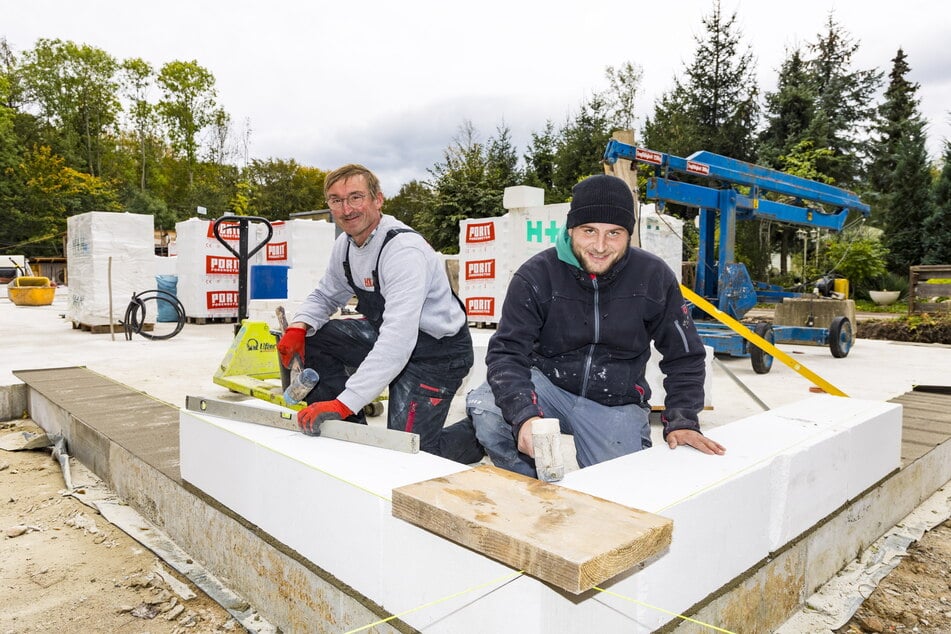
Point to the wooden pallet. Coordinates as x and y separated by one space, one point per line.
98 329
210 320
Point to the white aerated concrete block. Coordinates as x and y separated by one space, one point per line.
784 471
521 196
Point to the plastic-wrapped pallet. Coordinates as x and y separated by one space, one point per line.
662 235
93 240
207 271
492 249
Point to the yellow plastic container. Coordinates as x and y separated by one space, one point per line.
31 291
841 285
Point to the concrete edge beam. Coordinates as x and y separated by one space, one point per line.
285 588
13 401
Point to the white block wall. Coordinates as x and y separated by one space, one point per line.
784 470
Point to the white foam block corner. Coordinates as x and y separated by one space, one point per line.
869 432
420 567
783 471
720 509
327 499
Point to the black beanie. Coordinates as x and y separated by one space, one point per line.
602 198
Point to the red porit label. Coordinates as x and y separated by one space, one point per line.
221 265
227 230
480 270
276 251
480 306
480 232
222 299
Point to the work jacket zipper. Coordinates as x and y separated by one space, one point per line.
597 336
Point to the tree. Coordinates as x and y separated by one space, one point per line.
938 235
789 112
137 78
843 102
54 191
624 83
859 256
187 106
715 109
463 188
909 203
413 202
74 88
672 128
900 173
501 159
540 159
276 188
580 146
219 148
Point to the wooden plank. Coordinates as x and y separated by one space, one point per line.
626 170
569 539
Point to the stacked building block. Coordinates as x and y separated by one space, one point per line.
207 271
110 257
492 249
784 471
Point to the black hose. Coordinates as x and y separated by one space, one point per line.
132 323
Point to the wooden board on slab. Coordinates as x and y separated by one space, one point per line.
569 539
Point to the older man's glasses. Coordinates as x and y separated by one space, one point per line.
355 200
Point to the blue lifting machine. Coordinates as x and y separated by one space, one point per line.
721 280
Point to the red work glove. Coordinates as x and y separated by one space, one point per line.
291 343
310 418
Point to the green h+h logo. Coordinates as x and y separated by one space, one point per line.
536 232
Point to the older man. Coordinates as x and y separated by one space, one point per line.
413 337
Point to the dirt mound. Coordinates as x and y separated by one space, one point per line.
916 596
916 329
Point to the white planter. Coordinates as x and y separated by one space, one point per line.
884 298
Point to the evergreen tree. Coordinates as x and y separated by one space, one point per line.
789 111
540 159
900 105
715 109
843 103
463 188
502 159
900 173
938 236
672 127
580 147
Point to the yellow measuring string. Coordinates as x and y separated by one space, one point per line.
503 579
654 607
758 341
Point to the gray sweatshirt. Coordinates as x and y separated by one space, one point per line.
413 282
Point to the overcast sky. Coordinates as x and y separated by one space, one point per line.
388 83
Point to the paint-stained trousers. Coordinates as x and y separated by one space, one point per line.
600 432
419 397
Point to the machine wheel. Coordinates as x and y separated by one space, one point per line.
840 336
761 360
374 408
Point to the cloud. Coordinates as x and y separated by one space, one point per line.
401 145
